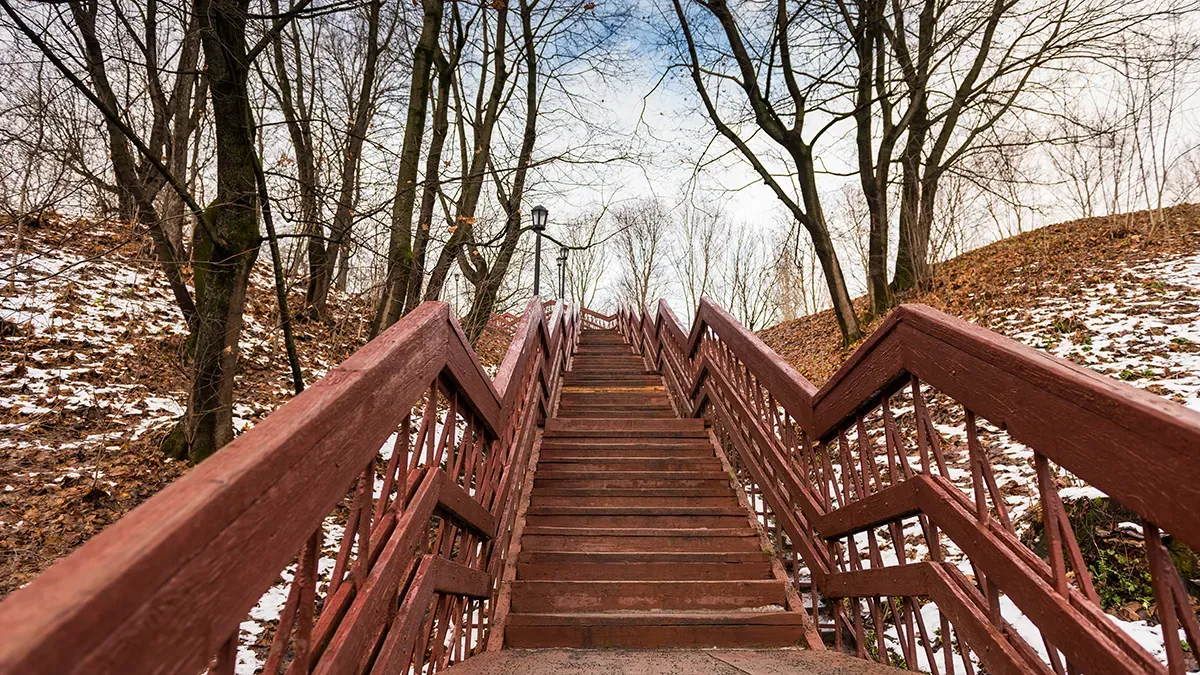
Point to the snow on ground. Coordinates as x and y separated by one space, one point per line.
1140 325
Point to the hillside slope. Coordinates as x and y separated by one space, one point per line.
93 374
1098 291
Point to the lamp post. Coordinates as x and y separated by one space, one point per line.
540 216
562 271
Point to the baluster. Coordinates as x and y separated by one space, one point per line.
927 437
852 487
855 565
399 449
449 431
924 637
427 424
363 564
830 480
866 455
876 559
895 444
226 658
1059 534
947 644
352 524
1174 605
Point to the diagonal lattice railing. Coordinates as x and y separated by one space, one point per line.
880 489
389 559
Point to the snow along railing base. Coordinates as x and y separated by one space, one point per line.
419 531
904 537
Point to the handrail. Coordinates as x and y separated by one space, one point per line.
831 500
599 320
423 540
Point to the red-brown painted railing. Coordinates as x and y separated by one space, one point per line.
425 530
841 474
599 320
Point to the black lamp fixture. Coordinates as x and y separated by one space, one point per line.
540 215
562 271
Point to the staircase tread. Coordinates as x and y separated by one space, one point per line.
686 532
619 617
615 460
637 510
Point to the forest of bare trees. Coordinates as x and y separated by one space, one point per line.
929 92
392 151
372 146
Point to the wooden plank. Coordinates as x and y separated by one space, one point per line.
454 501
458 579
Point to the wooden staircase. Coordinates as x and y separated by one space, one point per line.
634 536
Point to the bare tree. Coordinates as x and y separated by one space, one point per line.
748 279
699 244
400 249
746 53
969 66
643 229
587 258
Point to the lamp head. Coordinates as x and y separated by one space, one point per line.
540 215
562 255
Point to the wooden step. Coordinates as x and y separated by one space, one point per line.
637 630
610 380
721 489
698 521
606 353
626 428
615 376
561 452
551 471
592 335
727 517
616 398
639 557
561 463
613 412
645 571
648 446
630 501
606 595
605 349
634 479
591 510
596 539
586 480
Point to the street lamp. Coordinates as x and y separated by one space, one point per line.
540 216
562 271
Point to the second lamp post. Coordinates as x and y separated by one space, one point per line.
562 272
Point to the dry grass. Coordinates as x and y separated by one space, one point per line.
1003 276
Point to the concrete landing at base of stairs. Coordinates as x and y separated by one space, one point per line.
667 662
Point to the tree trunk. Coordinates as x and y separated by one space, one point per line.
813 219
299 124
441 127
400 254
913 244
462 231
229 238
